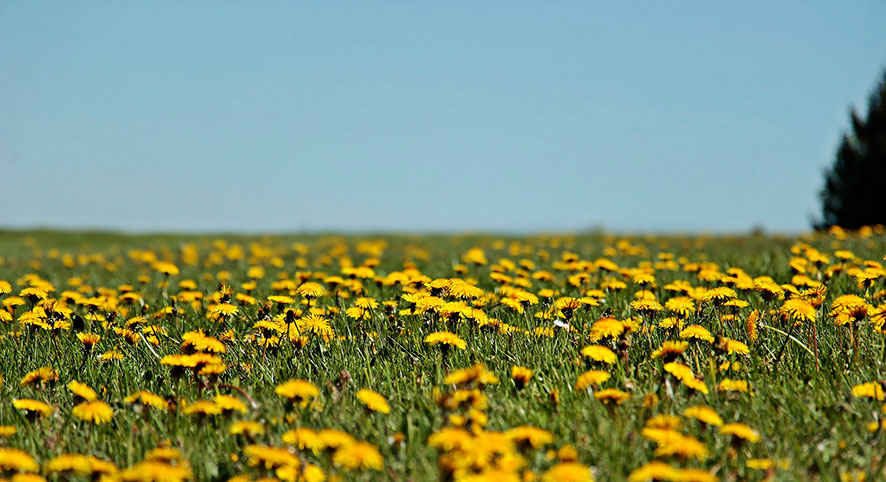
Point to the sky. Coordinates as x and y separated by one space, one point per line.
504 116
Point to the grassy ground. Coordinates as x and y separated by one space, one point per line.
539 302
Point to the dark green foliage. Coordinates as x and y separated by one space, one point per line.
854 193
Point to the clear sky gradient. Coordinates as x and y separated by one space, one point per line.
445 116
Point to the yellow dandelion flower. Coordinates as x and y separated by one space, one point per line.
521 376
229 404
202 407
679 370
97 412
358 455
869 390
89 340
298 392
450 438
612 395
373 401
728 385
703 414
740 431
73 463
695 384
246 427
591 378
270 457
32 407
696 332
670 349
733 347
304 439
82 390
333 439
311 290
152 470
606 328
529 436
17 460
599 353
568 472
654 470
446 338
476 374
798 310
684 446
41 375
147 399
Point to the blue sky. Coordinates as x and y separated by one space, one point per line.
444 116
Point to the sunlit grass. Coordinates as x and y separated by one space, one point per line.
465 357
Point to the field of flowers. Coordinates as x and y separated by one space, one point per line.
552 358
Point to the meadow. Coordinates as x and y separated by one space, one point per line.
470 358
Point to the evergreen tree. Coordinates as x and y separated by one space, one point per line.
854 193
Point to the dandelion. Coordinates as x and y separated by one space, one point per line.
872 390
450 438
681 306
71 463
728 385
646 306
654 470
529 437
146 399
606 328
33 295
164 453
679 370
669 350
89 340
446 338
591 378
96 412
333 439
695 384
373 401
151 470
696 332
41 376
599 353
311 290
703 414
15 460
223 310
733 347
568 472
521 376
719 295
247 428
82 391
304 439
228 404
297 392
684 446
740 431
798 310
167 269
358 455
33 408
612 396
474 375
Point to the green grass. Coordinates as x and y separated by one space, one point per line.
807 417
